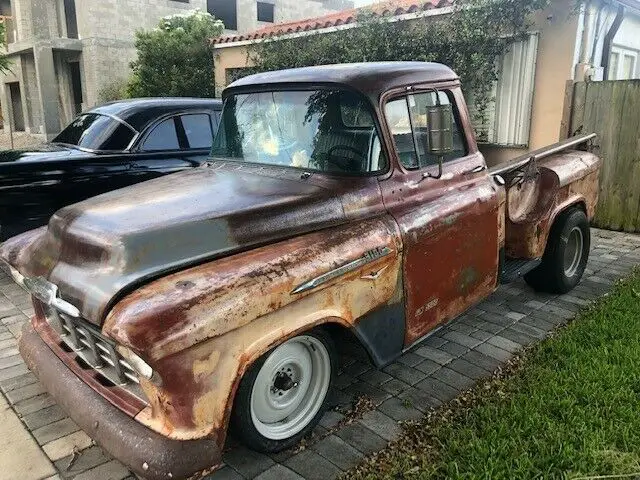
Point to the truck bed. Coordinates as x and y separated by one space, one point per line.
522 160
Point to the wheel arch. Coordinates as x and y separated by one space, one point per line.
332 324
564 208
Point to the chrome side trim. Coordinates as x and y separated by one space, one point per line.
368 257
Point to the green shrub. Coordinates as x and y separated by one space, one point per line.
175 59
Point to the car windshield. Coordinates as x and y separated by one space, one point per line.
96 132
328 130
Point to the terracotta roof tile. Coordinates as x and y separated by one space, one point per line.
344 17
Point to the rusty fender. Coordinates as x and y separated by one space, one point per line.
201 328
567 179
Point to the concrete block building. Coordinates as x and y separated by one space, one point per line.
65 52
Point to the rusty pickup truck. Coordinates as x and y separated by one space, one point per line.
337 198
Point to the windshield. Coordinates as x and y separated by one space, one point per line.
326 130
96 132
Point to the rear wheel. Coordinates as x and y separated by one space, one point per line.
565 257
284 394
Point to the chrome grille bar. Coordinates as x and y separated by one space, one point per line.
98 351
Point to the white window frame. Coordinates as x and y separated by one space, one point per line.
623 52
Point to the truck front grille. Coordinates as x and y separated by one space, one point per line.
94 350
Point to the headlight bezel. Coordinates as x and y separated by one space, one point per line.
141 367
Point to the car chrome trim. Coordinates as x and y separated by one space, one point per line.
119 120
47 293
368 257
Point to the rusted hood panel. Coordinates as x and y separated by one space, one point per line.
94 249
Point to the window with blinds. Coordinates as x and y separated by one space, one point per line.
506 119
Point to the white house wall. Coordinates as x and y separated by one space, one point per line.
627 37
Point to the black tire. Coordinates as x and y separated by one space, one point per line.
242 424
551 275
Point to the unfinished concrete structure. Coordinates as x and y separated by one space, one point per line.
65 52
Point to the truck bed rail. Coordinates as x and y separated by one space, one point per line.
540 153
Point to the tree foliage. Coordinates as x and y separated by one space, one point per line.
469 40
114 90
175 59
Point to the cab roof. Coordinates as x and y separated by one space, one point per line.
370 78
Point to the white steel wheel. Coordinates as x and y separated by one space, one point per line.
573 251
290 387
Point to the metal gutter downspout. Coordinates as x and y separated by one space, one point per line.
586 33
582 67
608 40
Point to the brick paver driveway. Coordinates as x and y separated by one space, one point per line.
445 364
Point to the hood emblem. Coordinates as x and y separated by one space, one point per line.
368 257
47 293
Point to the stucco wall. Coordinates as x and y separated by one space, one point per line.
224 58
558 27
629 33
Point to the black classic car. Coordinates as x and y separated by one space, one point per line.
108 147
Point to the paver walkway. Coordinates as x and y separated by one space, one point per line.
437 370
20 140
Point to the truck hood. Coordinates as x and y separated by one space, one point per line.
96 249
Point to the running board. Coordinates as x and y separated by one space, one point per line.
513 269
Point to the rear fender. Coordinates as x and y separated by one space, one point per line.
577 175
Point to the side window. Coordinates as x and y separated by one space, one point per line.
197 128
163 137
407 118
397 112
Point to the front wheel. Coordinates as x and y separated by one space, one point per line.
565 257
284 394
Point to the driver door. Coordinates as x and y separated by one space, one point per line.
449 225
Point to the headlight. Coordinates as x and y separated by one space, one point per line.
17 276
141 367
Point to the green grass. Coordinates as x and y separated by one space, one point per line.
571 408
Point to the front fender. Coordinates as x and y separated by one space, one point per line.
200 329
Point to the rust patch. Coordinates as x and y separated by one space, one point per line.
200 340
566 179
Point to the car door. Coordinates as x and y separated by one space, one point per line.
449 225
172 144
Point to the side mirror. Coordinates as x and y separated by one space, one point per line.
440 129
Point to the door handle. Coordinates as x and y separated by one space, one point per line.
477 169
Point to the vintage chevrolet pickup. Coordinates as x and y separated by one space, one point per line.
340 197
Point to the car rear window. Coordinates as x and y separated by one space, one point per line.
94 131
